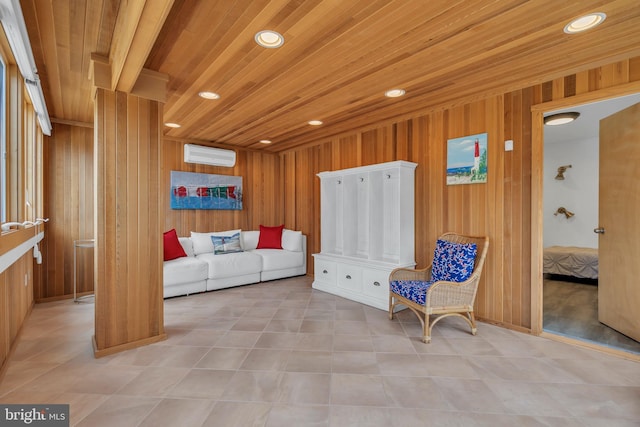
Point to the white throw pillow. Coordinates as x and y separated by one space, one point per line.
186 245
292 240
249 240
202 243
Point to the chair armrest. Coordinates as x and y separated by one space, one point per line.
410 274
444 293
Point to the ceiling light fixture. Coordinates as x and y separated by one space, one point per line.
172 125
208 95
315 122
585 23
265 141
394 93
269 39
561 118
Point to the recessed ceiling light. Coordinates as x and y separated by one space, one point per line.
561 118
394 93
208 95
315 122
269 39
265 141
585 23
172 125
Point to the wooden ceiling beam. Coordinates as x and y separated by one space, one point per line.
137 27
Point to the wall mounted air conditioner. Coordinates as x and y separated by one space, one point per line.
209 156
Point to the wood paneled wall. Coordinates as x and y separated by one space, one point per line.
68 203
128 222
16 301
501 208
262 198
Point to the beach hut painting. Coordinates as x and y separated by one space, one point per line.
467 159
205 191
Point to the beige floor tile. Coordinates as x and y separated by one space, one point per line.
304 388
309 361
121 411
354 362
413 392
223 358
469 395
260 359
393 344
353 343
238 414
281 415
202 384
201 338
238 339
253 386
154 381
179 412
357 390
277 340
317 342
256 324
318 360
283 325
317 326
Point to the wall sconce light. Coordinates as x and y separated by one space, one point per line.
561 171
561 118
564 211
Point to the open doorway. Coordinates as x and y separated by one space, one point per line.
569 217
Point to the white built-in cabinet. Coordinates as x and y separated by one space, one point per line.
367 229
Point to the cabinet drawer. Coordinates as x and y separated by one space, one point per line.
325 271
376 283
349 277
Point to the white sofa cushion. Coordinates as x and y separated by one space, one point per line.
278 259
292 240
234 264
184 270
249 240
187 245
202 242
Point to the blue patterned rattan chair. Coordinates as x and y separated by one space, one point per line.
447 287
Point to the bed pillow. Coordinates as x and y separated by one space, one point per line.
292 240
171 245
202 242
226 244
453 262
270 237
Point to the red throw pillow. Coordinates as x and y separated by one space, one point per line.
172 247
270 237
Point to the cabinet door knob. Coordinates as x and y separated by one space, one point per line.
376 283
325 271
348 277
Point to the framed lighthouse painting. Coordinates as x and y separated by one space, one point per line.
467 160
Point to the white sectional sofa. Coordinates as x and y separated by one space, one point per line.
203 270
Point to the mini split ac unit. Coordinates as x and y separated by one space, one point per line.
209 155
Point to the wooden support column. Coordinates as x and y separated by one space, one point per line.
128 199
128 222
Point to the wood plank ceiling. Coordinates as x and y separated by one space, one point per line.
338 59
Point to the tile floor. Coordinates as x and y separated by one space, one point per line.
282 354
